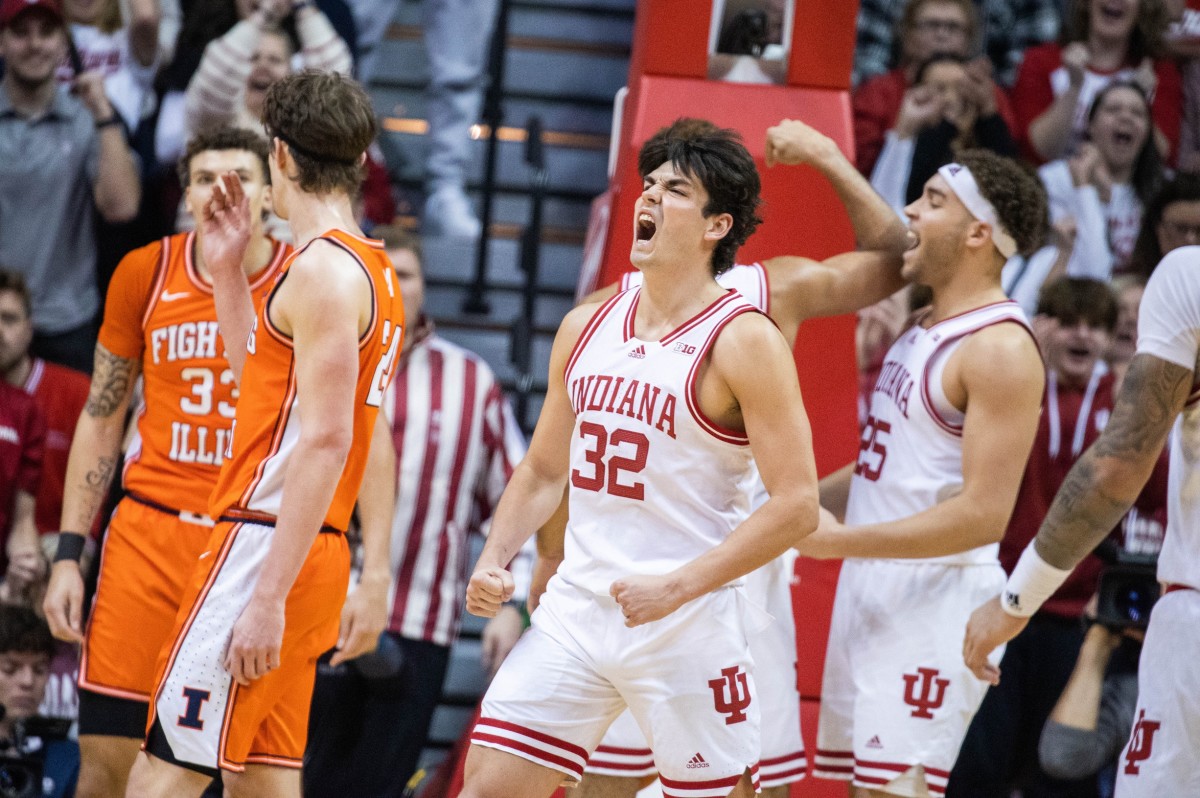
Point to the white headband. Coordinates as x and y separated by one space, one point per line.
963 182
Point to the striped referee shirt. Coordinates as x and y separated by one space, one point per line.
457 443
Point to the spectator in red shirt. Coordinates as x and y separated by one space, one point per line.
1106 40
59 393
21 437
927 28
1074 324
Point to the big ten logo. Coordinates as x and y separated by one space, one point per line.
390 344
686 349
930 694
731 694
1141 743
195 698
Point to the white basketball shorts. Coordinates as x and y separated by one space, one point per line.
687 679
897 698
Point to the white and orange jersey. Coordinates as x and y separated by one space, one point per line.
910 452
654 483
160 311
268 419
1169 329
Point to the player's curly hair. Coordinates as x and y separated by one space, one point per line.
327 122
716 158
1015 193
224 138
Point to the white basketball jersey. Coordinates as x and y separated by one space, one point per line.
1169 329
910 452
749 280
653 482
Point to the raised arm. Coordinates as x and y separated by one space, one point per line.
849 282
537 483
224 237
753 360
1001 376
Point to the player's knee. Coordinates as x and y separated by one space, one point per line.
597 786
101 777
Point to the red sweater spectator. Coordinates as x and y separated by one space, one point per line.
22 435
60 394
876 104
1043 77
1071 420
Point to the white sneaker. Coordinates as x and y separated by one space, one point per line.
448 213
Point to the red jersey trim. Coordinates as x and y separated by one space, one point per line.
589 330
718 306
714 429
927 397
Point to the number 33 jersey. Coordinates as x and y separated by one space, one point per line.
653 483
910 450
160 311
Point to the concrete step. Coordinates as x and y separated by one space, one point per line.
454 260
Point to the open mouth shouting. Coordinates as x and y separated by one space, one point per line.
645 227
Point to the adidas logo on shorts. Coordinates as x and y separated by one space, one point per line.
874 742
639 353
696 762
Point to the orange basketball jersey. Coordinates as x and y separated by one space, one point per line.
268 420
160 311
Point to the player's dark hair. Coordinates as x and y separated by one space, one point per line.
327 122
15 282
23 632
716 158
224 138
1015 192
1070 300
1184 187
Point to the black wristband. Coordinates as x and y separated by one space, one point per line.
70 546
107 121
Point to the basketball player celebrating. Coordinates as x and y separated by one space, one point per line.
789 289
159 322
234 684
657 401
1157 399
952 419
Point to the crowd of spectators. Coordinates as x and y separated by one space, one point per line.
99 97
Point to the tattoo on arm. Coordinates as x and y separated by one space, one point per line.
112 379
1102 486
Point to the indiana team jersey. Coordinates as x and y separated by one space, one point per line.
268 418
1169 329
160 311
910 452
653 482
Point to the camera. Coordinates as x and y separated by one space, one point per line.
1128 588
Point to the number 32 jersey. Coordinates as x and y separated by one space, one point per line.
910 452
653 483
161 312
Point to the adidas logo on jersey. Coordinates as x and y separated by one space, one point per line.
639 353
874 742
697 762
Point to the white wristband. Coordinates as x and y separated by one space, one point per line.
1032 582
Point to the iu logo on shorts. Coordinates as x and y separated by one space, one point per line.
1141 743
928 696
190 719
731 694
